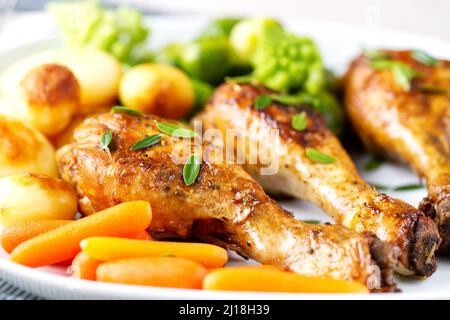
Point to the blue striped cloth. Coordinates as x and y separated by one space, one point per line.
10 292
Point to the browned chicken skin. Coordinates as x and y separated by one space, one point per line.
412 126
335 187
224 206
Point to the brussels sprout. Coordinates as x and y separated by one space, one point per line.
207 59
220 28
244 36
169 55
203 91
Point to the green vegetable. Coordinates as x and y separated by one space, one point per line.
191 169
169 55
220 27
175 130
120 32
105 140
262 101
120 109
287 63
299 121
203 91
146 142
207 59
424 58
245 36
319 156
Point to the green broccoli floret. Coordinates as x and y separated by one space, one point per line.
120 32
285 62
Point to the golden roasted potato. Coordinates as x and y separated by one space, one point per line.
24 149
48 97
31 197
98 74
157 89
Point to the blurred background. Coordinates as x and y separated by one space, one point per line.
430 17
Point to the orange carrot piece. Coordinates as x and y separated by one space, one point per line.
14 235
153 271
107 249
84 267
271 280
144 235
124 220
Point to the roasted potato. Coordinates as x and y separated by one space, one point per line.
24 149
31 197
157 89
98 74
46 98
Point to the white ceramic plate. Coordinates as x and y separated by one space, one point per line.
338 45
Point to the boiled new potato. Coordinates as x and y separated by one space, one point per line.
24 149
46 98
31 197
99 75
157 89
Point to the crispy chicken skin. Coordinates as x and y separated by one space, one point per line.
412 126
224 206
336 188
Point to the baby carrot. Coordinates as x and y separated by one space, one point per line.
15 234
124 220
153 271
84 267
107 249
270 280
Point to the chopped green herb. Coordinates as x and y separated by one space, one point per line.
435 90
300 121
105 140
373 164
262 101
240 79
146 142
379 186
311 221
176 130
191 169
403 73
424 58
288 99
407 187
375 54
319 156
120 109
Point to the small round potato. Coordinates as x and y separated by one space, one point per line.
47 98
99 75
24 149
157 89
31 197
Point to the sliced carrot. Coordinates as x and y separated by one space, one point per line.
14 235
154 271
124 220
271 280
107 249
84 267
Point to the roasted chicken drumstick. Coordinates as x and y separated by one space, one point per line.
335 187
224 205
409 123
